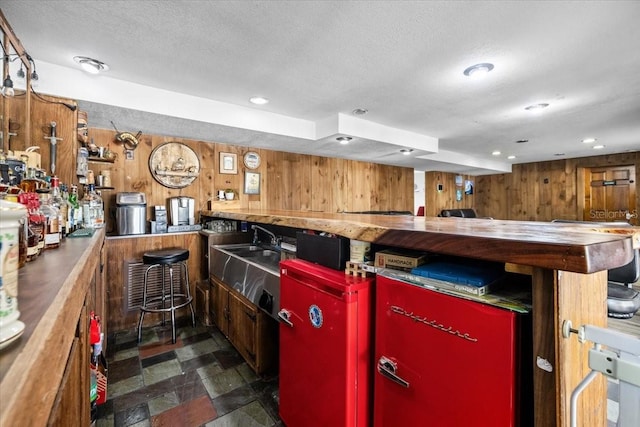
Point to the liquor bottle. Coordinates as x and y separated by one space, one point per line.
52 228
37 223
23 233
59 203
92 208
76 221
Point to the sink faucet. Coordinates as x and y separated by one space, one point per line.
255 228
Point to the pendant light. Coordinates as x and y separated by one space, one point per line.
7 87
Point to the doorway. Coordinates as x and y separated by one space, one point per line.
610 194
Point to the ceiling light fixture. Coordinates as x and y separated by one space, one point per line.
344 140
521 141
511 157
598 147
360 111
406 151
7 87
90 65
20 73
478 70
496 153
589 140
258 100
536 107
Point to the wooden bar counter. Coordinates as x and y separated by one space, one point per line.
568 264
44 375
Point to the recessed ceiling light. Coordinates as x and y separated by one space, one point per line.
511 157
478 70
91 65
559 154
598 147
536 107
360 111
496 153
406 151
589 140
344 140
258 100
521 141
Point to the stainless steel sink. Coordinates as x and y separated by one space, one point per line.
251 270
266 258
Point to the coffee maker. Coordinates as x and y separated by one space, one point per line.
182 210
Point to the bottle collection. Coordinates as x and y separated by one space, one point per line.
54 210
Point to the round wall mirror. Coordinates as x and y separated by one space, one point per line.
174 164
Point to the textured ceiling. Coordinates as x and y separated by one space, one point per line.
403 61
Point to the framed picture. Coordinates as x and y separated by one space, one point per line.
228 163
251 183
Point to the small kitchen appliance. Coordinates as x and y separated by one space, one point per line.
326 339
182 210
131 213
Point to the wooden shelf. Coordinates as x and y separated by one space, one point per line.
224 204
105 188
100 160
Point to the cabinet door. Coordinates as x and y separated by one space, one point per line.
242 327
218 305
72 406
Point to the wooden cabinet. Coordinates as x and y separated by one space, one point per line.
45 375
251 331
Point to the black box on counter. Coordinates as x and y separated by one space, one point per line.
332 252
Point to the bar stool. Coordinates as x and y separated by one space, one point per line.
168 300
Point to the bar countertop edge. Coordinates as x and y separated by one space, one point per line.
558 246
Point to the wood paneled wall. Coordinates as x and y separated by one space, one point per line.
44 110
543 191
288 181
436 200
540 191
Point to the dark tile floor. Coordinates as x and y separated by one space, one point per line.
201 380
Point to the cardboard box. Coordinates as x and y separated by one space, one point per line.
399 260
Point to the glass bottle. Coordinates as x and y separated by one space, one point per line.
59 203
37 223
52 227
23 230
92 208
76 215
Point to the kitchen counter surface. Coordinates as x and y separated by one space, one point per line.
560 246
51 294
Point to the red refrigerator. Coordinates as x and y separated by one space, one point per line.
441 360
325 346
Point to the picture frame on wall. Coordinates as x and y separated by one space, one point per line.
228 163
251 183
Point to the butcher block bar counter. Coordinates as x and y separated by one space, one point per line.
567 262
44 375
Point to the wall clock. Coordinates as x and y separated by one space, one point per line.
252 160
174 164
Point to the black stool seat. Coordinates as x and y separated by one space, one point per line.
165 256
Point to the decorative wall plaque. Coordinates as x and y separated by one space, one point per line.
174 164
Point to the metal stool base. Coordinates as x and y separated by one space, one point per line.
169 301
